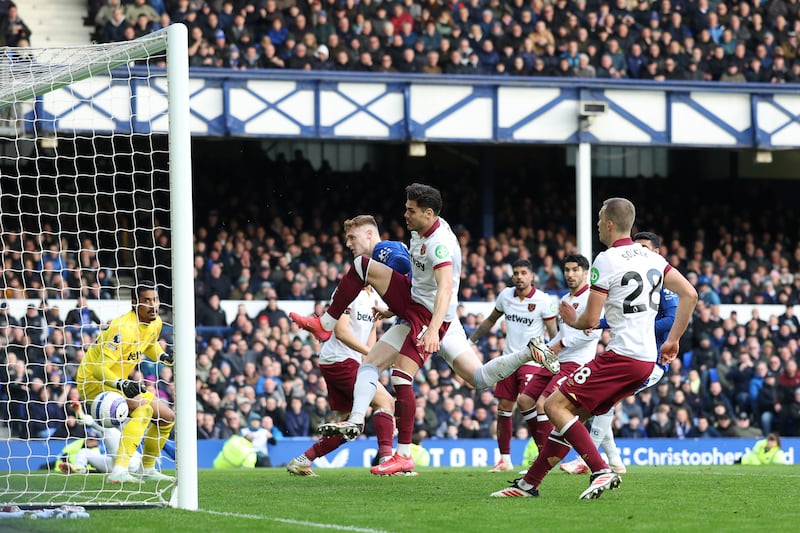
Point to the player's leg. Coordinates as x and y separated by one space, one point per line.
383 419
538 424
484 375
603 435
163 420
556 447
380 357
543 426
405 368
341 378
405 403
102 463
527 408
505 428
133 430
365 271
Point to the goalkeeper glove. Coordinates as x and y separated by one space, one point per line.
130 389
166 358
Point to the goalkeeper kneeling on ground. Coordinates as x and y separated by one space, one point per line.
108 365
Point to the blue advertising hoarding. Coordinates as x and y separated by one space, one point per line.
19 455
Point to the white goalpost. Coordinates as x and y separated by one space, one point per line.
95 198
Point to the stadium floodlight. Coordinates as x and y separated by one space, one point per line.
95 197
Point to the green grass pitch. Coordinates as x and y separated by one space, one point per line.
719 498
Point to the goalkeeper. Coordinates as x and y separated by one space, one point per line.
108 364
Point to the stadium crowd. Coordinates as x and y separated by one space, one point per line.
737 376
734 41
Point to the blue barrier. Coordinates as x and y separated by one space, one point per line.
20 455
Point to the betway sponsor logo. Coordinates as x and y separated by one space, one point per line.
364 317
526 320
419 264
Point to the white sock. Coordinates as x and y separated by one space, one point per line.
505 457
404 450
500 368
364 391
327 321
601 426
524 485
609 446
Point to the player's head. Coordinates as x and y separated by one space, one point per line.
522 275
575 268
144 299
423 205
616 220
649 240
361 234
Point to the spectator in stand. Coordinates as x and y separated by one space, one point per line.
740 375
743 428
211 313
724 426
82 315
34 325
660 424
140 7
323 59
114 29
633 429
768 403
13 29
298 422
104 14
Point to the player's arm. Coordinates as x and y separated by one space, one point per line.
444 290
666 313
112 352
591 314
687 300
104 373
155 352
343 333
485 326
551 325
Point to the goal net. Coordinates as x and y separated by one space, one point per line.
90 169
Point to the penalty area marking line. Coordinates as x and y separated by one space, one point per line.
295 522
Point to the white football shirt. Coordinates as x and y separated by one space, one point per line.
524 316
632 277
578 346
436 248
361 320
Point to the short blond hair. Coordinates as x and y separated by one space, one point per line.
358 221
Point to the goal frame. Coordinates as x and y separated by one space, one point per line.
13 90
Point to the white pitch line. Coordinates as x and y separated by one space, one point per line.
295 522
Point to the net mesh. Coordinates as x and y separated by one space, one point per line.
84 217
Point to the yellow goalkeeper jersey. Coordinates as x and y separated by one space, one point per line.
119 348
